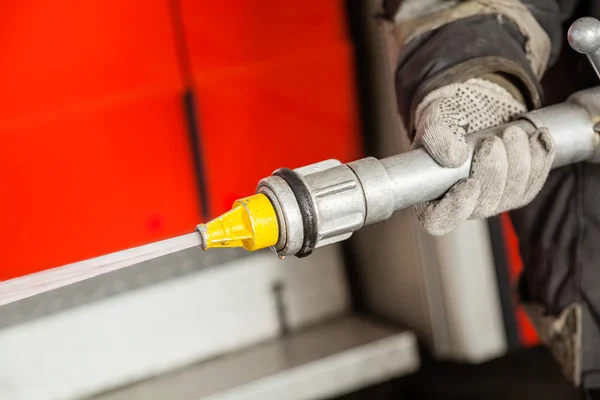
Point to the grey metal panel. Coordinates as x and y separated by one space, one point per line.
395 272
399 280
113 283
323 361
178 322
402 273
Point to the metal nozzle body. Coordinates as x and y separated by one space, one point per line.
326 202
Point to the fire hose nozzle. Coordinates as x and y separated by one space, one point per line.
250 224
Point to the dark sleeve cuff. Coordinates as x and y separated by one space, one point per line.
456 52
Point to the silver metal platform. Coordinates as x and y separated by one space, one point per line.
327 360
251 326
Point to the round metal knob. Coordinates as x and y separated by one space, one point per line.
584 37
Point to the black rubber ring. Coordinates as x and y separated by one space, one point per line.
307 209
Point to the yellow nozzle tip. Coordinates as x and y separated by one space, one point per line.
251 224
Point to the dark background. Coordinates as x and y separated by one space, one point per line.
523 374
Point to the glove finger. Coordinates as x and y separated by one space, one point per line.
543 151
518 156
441 216
441 135
489 167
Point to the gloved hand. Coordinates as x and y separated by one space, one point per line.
507 171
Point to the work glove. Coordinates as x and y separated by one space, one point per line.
507 171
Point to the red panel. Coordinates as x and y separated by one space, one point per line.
92 184
231 35
526 330
267 123
66 53
275 86
94 153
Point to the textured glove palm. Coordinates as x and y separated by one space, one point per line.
507 171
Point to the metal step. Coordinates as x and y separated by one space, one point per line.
205 312
327 360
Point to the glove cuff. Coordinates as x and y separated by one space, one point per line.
505 73
473 105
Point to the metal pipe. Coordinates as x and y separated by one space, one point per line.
417 178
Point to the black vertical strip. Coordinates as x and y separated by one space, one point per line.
504 287
190 108
282 314
351 265
364 71
356 18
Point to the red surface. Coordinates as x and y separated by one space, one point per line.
282 96
527 333
93 143
94 150
66 57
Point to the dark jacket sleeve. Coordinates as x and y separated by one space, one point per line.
559 232
473 47
556 230
550 229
